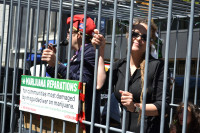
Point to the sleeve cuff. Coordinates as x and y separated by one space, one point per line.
158 105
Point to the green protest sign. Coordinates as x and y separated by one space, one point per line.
58 97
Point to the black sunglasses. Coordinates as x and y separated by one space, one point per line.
143 36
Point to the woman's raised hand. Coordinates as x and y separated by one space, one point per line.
98 39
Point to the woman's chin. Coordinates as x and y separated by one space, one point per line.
135 48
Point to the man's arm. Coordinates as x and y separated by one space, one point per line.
49 56
62 69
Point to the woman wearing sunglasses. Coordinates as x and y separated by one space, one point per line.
132 99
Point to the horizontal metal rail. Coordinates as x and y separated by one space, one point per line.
16 105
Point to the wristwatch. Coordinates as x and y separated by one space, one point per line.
137 109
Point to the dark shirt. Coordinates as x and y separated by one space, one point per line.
88 76
154 93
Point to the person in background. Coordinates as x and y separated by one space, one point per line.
172 128
193 119
74 72
131 100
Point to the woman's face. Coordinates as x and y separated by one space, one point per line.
139 34
189 116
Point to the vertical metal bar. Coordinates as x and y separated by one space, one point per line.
197 73
25 54
36 34
166 67
7 42
188 66
174 72
2 36
82 53
20 122
18 51
35 53
15 63
52 125
121 37
43 36
70 39
7 67
41 66
55 28
185 67
146 67
48 27
128 61
31 34
30 126
111 66
47 42
69 49
158 43
95 71
83 41
58 51
26 36
1 49
58 38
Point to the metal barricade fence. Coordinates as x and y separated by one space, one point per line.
26 25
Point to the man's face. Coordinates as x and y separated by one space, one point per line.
74 38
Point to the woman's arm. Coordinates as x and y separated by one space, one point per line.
151 109
127 101
99 40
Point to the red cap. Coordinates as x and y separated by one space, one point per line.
78 23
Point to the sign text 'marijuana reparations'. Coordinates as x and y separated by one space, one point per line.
61 85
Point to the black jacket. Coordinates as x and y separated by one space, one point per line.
154 93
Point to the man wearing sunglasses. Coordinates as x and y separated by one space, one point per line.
74 72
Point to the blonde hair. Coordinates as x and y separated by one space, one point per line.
137 21
142 67
154 28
